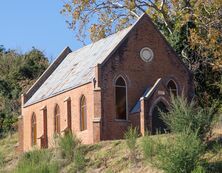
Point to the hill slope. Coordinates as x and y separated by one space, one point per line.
104 157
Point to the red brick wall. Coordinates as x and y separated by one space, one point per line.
75 95
139 74
101 118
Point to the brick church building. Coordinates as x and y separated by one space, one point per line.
100 90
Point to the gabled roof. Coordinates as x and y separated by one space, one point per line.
136 107
77 68
146 95
73 69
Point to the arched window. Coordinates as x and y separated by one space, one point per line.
83 114
172 87
121 99
57 119
33 130
69 115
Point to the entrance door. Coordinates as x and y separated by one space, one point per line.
158 126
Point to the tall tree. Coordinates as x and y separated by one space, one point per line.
18 72
193 27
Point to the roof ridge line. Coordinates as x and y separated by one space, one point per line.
129 28
46 74
126 34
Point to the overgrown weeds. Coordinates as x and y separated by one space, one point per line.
70 147
68 144
191 125
148 147
185 116
131 136
79 161
37 161
181 154
1 159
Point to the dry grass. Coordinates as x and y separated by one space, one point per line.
9 155
104 157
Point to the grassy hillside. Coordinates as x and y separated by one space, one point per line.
8 155
104 157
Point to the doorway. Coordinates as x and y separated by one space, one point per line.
158 125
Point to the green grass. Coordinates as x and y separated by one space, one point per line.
37 161
106 156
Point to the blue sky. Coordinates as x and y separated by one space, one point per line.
38 23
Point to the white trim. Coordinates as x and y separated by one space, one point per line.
43 108
142 55
152 89
67 99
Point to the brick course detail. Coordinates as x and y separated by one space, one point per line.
124 61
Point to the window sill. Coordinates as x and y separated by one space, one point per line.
83 130
122 120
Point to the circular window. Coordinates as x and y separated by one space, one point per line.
146 54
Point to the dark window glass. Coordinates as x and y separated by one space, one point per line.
172 87
69 116
83 116
158 125
120 101
33 129
57 119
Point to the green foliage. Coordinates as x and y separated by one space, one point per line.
37 161
1 159
18 72
34 65
148 148
131 136
193 29
185 116
199 169
79 161
181 154
71 150
68 144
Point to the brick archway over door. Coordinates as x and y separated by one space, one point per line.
158 126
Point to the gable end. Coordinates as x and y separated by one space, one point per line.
46 74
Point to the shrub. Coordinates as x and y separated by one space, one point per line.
187 116
79 160
68 144
148 147
131 136
180 155
1 159
37 161
199 169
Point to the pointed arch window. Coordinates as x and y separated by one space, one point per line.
33 130
121 98
83 114
57 119
172 87
69 114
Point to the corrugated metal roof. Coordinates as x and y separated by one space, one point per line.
149 91
136 108
78 67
